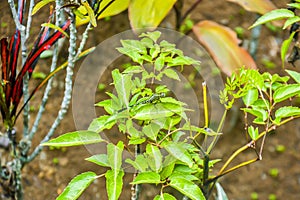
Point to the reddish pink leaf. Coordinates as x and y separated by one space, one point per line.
222 43
258 6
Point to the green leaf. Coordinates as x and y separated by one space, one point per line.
273 15
257 112
291 21
147 177
135 56
159 63
287 111
179 151
140 163
171 74
134 45
154 35
103 122
39 5
123 85
158 110
114 183
295 75
77 185
285 92
148 14
74 139
164 196
253 133
154 157
151 130
90 13
111 9
187 188
250 97
99 159
114 155
53 26
285 47
168 168
182 60
295 5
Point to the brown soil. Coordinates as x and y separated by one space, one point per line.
44 178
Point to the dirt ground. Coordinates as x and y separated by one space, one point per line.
50 172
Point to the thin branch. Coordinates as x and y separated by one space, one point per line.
29 20
193 7
68 87
49 83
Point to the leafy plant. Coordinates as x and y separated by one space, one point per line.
291 20
149 117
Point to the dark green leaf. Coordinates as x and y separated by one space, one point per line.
77 185
147 177
99 159
187 188
114 183
286 92
74 139
273 15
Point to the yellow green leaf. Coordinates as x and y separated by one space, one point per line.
148 14
90 12
39 5
53 26
111 9
222 43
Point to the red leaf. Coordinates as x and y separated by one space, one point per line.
30 64
222 43
4 58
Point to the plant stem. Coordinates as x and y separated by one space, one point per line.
49 83
221 124
243 148
68 87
